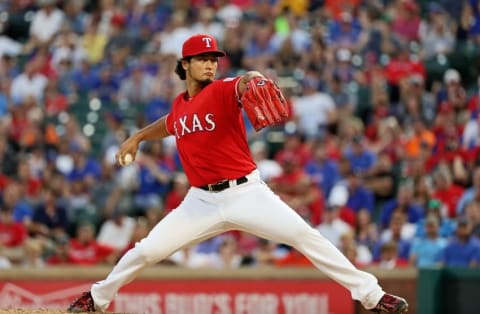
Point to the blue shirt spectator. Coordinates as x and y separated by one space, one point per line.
403 202
463 249
344 32
51 215
156 108
427 250
22 211
459 253
324 172
360 158
358 196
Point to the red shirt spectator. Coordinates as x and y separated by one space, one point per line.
402 67
296 188
446 191
11 233
85 250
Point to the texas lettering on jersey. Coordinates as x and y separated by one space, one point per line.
189 124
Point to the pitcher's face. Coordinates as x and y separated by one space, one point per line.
203 68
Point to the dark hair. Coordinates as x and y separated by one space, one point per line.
180 70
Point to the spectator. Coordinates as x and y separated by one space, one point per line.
207 24
426 251
136 89
461 250
117 231
85 250
470 194
380 179
472 214
14 203
155 175
314 110
296 188
105 86
260 48
268 168
322 169
446 225
399 232
453 93
389 258
403 203
12 235
359 197
332 227
93 43
344 32
50 219
436 36
471 133
407 21
421 137
60 255
30 83
358 254
33 254
294 144
46 22
366 231
361 158
447 192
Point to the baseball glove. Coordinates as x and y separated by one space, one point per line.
264 103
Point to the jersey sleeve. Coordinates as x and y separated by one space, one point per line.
230 90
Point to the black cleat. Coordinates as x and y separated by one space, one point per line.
390 303
84 303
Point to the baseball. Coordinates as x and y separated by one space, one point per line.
127 159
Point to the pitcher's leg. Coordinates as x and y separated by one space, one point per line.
173 232
262 213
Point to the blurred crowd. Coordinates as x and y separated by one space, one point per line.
381 154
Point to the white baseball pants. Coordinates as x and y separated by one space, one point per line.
250 207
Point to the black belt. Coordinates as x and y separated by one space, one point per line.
222 185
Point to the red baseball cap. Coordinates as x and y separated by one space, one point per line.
199 44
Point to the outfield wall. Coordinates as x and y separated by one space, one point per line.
173 290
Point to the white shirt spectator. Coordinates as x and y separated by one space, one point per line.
44 26
24 86
117 235
207 24
471 134
9 46
230 15
407 233
312 111
334 230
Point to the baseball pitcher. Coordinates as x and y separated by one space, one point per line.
226 191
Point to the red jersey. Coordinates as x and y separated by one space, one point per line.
210 134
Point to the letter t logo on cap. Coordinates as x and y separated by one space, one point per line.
207 41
